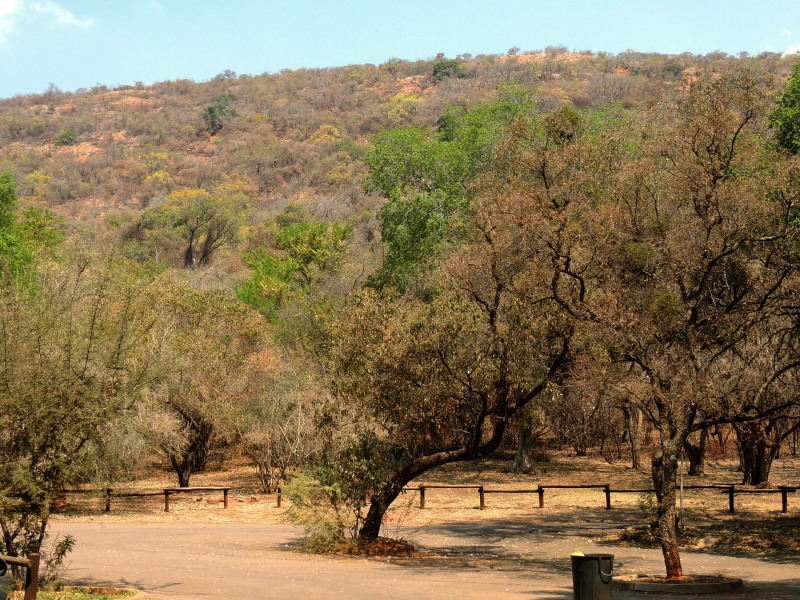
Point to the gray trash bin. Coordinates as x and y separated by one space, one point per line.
591 576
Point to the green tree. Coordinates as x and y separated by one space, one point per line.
192 221
303 253
786 116
75 353
68 137
14 255
216 115
446 68
36 234
428 180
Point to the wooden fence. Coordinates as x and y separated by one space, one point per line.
730 490
31 565
539 490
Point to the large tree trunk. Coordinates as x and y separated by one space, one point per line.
697 454
757 453
379 504
183 468
665 468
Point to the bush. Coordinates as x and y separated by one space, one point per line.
447 68
68 137
329 500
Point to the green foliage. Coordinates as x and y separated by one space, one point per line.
314 247
402 162
67 137
51 571
38 233
673 68
303 253
8 200
216 115
270 282
42 231
415 231
447 68
786 116
640 257
329 499
427 177
191 222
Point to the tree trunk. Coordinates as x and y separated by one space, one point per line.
202 430
379 504
722 439
633 424
757 453
697 454
522 459
183 469
665 468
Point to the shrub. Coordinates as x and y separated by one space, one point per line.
68 137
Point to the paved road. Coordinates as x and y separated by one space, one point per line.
244 561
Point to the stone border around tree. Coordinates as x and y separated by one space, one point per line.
698 584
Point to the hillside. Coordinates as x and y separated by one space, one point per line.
293 137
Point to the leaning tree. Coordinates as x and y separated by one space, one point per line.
439 375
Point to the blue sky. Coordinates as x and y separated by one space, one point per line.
81 43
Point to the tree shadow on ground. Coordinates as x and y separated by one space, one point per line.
544 548
769 539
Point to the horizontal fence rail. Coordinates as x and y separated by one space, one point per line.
783 490
730 490
207 488
539 490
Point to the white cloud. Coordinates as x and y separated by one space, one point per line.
61 14
792 50
8 12
787 32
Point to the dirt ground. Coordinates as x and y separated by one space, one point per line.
463 551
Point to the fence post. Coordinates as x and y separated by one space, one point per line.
540 491
279 497
225 498
731 507
108 499
166 500
784 498
422 496
608 496
480 493
32 578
